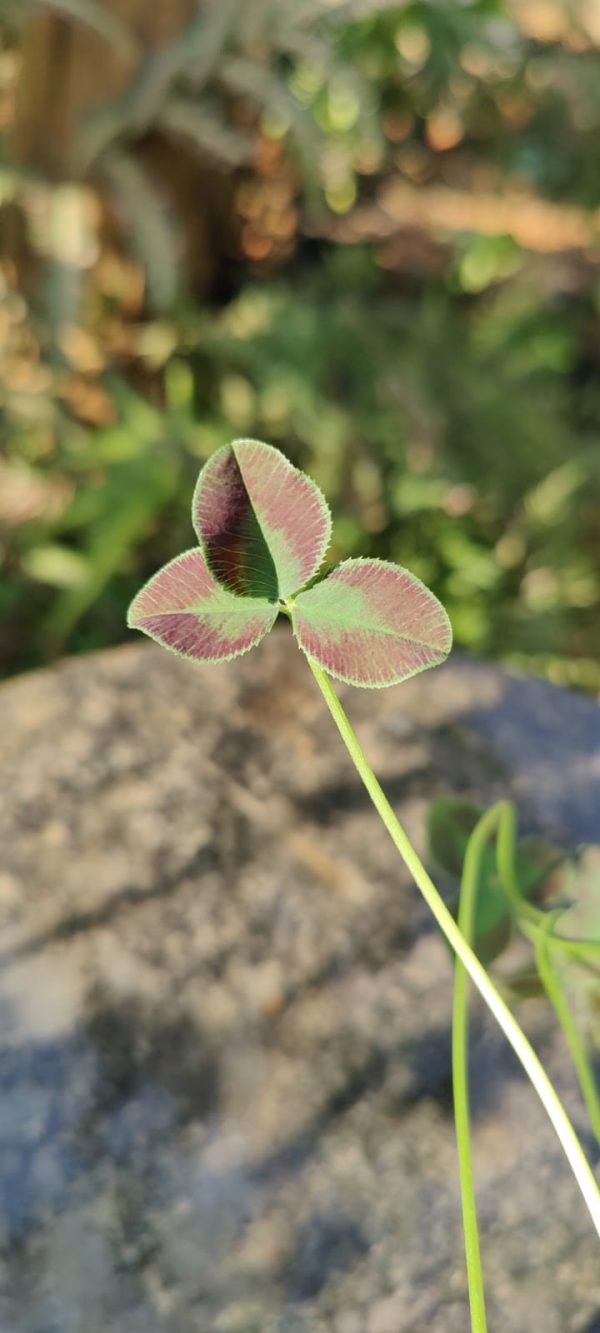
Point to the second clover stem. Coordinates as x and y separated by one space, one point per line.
514 1034
460 1070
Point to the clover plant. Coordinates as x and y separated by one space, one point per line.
263 528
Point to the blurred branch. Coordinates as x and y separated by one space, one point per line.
207 130
95 16
153 233
196 50
534 223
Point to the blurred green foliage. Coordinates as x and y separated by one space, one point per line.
449 436
449 407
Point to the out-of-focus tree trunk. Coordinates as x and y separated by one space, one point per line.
69 72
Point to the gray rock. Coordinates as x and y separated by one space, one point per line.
225 1074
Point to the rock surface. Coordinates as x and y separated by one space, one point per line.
225 1073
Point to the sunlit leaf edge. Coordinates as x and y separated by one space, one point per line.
190 657
399 680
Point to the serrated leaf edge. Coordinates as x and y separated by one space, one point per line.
378 685
189 657
271 449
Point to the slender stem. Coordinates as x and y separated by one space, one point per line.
528 912
538 926
555 992
514 1034
460 1070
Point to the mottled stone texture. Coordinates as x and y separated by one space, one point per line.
225 1077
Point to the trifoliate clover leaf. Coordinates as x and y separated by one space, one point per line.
263 529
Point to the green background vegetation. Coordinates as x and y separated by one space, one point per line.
365 233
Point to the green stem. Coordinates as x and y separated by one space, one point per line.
557 997
538 926
460 1070
521 1046
526 911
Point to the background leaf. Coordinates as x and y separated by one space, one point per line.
540 868
450 823
372 623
